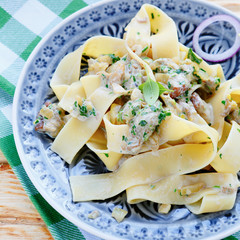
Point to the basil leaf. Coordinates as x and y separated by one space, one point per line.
162 89
192 56
141 87
150 91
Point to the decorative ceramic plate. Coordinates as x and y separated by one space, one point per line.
50 174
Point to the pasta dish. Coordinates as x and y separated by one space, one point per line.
162 120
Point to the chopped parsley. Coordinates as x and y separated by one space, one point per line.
133 130
119 116
152 15
153 108
124 138
36 121
142 123
162 116
144 49
145 136
220 155
114 58
92 112
238 129
223 102
194 73
134 111
216 186
217 80
192 56
178 71
152 186
83 111
169 85
106 154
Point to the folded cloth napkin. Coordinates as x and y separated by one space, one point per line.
22 25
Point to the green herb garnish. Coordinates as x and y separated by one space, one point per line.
192 56
152 90
114 58
202 70
124 138
144 49
194 73
145 136
142 123
83 110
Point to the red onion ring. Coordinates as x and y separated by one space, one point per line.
221 56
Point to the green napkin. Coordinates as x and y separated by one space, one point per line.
19 34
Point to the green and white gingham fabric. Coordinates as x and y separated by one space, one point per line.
23 23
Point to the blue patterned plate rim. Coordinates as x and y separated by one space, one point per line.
19 143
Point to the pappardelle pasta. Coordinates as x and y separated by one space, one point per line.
154 112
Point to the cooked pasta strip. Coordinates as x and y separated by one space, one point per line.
90 83
226 130
213 203
68 70
218 107
150 19
197 191
212 70
76 133
73 92
142 169
227 159
98 144
172 129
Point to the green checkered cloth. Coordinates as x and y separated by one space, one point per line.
23 23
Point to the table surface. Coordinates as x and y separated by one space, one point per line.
18 217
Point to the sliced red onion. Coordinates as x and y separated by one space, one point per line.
220 56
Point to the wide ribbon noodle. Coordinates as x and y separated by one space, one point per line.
180 149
